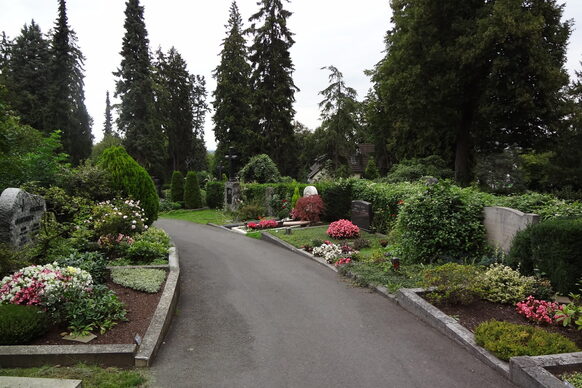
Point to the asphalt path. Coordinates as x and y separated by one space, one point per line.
252 314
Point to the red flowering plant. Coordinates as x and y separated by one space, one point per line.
343 261
343 229
539 311
263 224
308 208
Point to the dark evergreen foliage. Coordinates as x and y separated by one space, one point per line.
192 196
215 194
274 90
108 125
177 187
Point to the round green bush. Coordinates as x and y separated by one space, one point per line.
19 324
192 196
93 262
215 194
177 187
452 283
260 169
441 224
131 179
506 340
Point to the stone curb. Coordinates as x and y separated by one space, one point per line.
122 355
535 372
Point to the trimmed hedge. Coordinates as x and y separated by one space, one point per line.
177 187
554 247
215 194
20 324
192 196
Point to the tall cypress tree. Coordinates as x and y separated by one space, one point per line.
199 110
27 76
67 108
137 116
274 90
232 118
108 125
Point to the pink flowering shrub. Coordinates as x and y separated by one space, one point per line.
539 311
33 285
343 229
263 224
343 261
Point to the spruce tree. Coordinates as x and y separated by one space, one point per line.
198 157
27 76
137 119
274 90
108 125
233 125
67 106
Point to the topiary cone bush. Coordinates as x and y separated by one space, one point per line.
215 194
19 324
177 187
131 180
192 196
295 197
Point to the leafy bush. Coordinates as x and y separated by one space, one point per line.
442 223
251 212
337 199
143 251
295 197
410 170
506 340
115 217
553 247
281 207
177 187
371 171
575 379
140 279
166 205
93 262
260 169
538 311
192 196
343 229
453 283
132 180
88 181
21 324
308 208
155 235
215 194
115 246
361 243
501 284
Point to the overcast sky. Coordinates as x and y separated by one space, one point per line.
346 34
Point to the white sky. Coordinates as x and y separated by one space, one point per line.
346 34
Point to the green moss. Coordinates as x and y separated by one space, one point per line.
140 279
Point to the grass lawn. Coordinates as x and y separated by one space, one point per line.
381 274
205 216
303 236
92 376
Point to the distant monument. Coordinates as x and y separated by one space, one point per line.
20 216
232 196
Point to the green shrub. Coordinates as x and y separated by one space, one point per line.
177 187
453 283
337 199
295 197
506 340
215 194
441 224
88 181
19 324
573 378
371 171
93 262
260 169
140 279
166 205
143 251
501 284
361 243
128 177
251 212
155 235
553 247
410 170
192 197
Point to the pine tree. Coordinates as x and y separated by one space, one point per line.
232 97
108 125
27 76
137 116
274 90
67 106
198 158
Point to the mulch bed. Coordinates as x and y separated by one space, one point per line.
140 308
471 315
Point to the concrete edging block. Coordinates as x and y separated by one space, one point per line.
533 371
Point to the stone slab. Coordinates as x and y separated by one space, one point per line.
34 382
20 216
362 214
502 224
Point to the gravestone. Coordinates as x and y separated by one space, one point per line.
269 193
20 216
232 196
362 214
309 191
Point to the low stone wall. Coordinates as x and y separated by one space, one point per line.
502 224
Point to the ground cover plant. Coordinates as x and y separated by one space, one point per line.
204 216
140 279
574 378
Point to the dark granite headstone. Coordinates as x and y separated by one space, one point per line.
362 214
20 216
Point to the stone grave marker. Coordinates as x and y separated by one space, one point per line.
20 216
309 191
362 214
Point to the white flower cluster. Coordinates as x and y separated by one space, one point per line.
35 283
330 252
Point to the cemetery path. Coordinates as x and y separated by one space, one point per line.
252 314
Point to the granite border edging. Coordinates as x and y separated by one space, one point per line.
122 355
533 371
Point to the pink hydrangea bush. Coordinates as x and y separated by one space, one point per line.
263 224
34 285
539 311
343 229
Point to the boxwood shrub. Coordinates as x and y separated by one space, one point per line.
215 194
554 247
19 324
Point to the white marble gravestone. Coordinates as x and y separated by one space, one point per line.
309 191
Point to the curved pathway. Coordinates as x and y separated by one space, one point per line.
252 314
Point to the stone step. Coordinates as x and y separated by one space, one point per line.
34 382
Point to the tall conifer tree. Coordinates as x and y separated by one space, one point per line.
67 108
232 118
274 90
137 116
108 124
